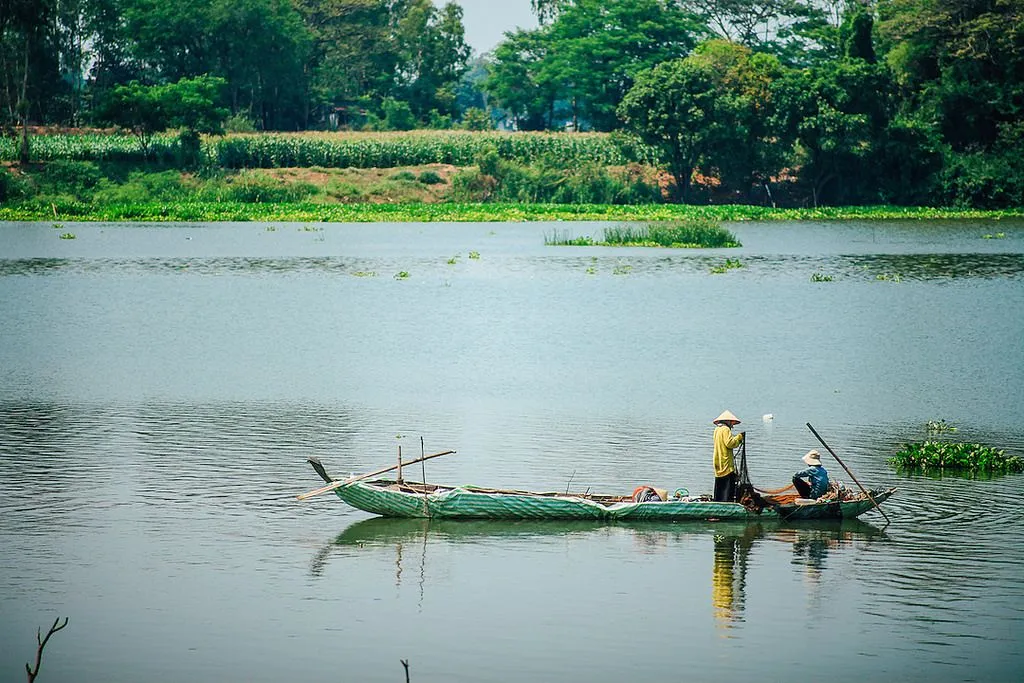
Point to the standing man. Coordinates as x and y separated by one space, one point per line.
725 467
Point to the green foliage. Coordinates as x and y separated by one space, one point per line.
939 427
730 264
239 123
141 188
397 115
430 178
821 277
190 104
404 175
971 457
476 118
696 233
11 188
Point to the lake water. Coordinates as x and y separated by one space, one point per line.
162 385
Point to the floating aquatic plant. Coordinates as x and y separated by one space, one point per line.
67 236
938 427
997 236
972 457
402 275
887 277
821 277
474 254
365 273
622 269
730 264
453 260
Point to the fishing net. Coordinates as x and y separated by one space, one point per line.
746 494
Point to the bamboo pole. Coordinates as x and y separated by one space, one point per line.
342 482
398 478
866 492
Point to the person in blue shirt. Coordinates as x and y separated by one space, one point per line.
816 484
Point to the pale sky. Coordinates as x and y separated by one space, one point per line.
487 20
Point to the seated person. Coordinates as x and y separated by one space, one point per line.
816 476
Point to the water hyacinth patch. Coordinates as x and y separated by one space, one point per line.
692 233
972 457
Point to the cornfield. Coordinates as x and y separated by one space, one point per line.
347 150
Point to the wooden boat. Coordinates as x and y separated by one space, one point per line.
401 498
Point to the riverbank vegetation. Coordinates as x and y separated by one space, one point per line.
889 102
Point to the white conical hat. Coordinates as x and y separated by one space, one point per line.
726 416
812 458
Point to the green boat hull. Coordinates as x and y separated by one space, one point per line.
467 503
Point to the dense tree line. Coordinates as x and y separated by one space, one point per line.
849 101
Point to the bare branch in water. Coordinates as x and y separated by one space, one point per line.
33 672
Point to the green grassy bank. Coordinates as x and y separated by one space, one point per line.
205 211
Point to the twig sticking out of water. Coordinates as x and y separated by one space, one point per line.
33 672
405 663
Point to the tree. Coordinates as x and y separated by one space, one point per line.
23 29
517 83
960 62
597 47
748 152
432 56
677 108
838 114
191 104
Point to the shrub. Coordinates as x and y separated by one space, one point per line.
397 115
404 175
10 186
430 178
239 123
141 188
76 178
476 118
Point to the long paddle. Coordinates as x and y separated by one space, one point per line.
866 492
342 482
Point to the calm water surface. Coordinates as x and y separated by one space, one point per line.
162 385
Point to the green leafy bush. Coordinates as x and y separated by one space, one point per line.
957 456
430 178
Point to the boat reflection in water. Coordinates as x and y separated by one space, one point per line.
733 543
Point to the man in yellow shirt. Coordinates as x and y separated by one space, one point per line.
725 467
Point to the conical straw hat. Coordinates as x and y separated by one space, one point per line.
727 416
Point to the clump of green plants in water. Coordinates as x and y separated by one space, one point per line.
365 273
887 277
997 236
271 228
453 260
474 254
693 233
938 427
402 275
67 236
942 455
622 269
566 239
821 277
730 264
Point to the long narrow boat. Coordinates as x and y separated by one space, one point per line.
391 498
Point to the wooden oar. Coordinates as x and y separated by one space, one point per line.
342 482
866 492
